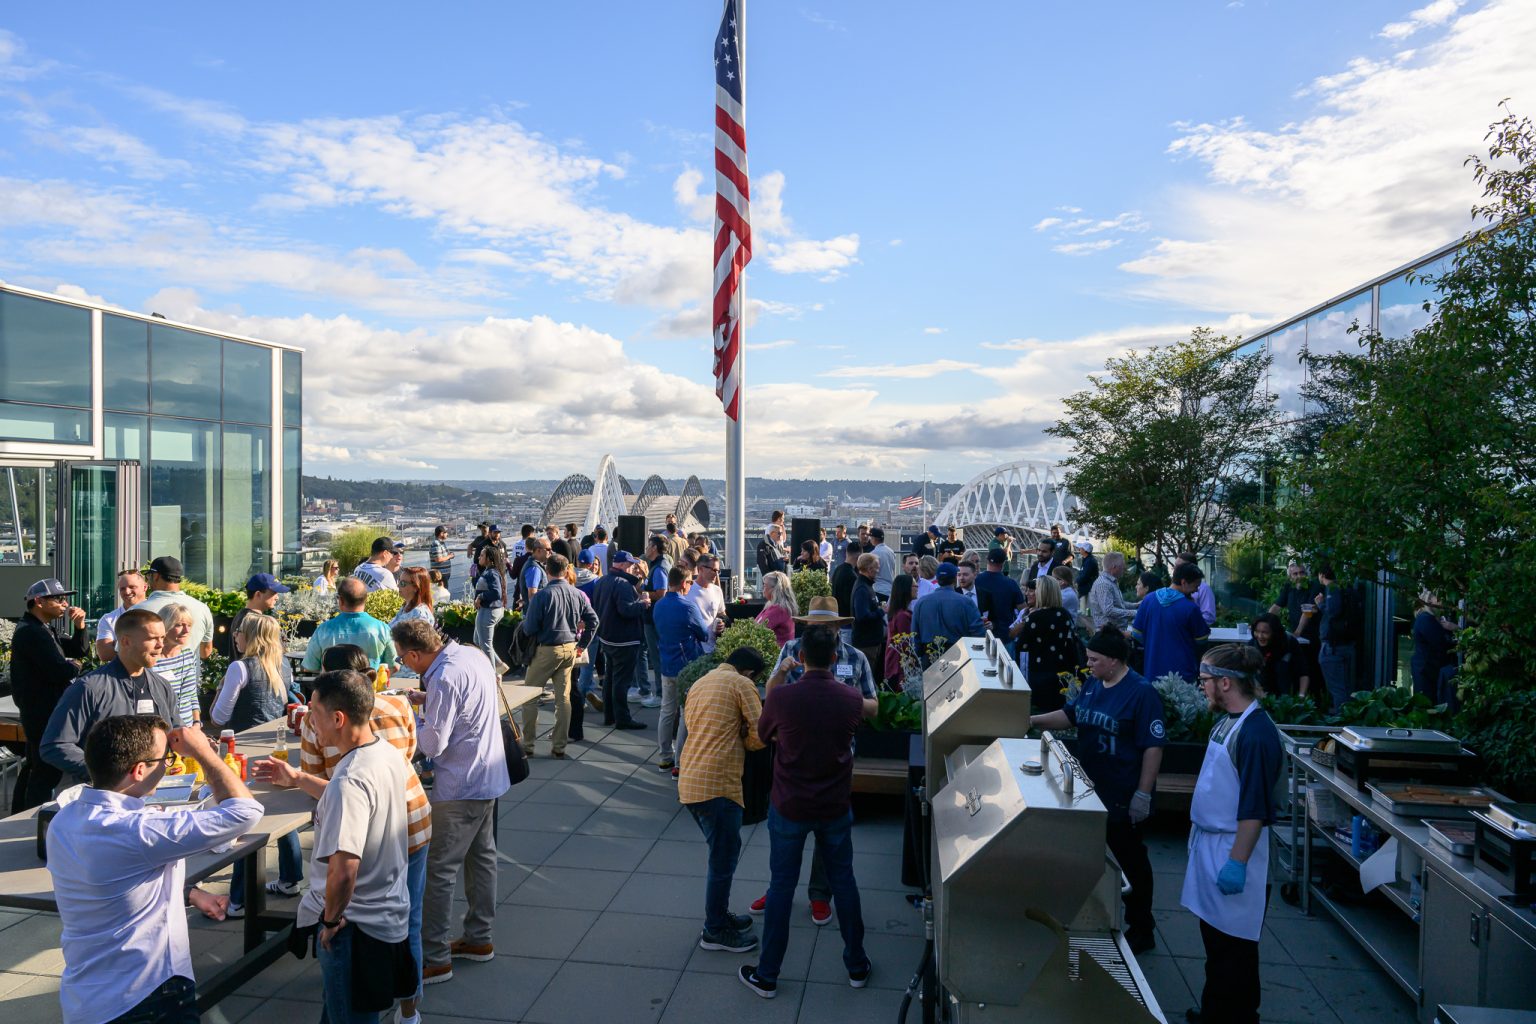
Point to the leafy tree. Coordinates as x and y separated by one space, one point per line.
1424 468
1162 437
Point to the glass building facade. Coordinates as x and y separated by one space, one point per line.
212 421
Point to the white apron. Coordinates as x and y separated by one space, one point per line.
1213 829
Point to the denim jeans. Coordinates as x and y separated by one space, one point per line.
336 981
586 680
834 840
485 628
720 821
174 1002
618 677
290 867
416 887
1337 662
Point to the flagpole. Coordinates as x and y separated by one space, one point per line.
735 467
925 496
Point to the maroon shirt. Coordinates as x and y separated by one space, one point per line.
812 724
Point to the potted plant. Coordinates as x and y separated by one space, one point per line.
1188 719
458 620
886 736
7 632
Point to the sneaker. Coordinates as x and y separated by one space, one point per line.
749 978
665 765
859 978
235 910
634 694
759 905
652 701
674 773
821 913
596 701
1140 942
478 952
741 922
630 725
434 974
282 888
728 941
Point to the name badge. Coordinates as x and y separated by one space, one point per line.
145 706
845 671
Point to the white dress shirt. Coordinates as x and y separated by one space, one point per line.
459 728
117 877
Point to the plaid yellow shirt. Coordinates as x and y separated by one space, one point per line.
719 705
394 722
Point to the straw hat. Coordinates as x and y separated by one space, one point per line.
823 612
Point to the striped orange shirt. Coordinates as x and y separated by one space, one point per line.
394 722
717 707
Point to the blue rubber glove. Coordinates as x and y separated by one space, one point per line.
1233 876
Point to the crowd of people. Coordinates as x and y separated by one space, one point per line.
609 631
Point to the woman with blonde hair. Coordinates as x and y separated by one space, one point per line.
179 664
255 690
780 607
1047 644
325 583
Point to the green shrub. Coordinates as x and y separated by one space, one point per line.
899 712
1292 709
693 672
746 633
1393 707
809 583
384 605
220 602
456 614
1506 741
352 545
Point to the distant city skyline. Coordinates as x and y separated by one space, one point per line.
489 229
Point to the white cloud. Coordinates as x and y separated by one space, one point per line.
806 256
764 346
913 370
74 291
1074 234
1084 248
106 144
933 330
695 204
1371 177
1429 16
894 242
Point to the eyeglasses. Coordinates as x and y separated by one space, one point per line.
167 759
1207 679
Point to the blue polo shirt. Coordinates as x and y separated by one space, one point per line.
1170 625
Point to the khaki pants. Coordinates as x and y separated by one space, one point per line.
463 833
550 664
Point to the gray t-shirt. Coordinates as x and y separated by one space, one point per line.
363 812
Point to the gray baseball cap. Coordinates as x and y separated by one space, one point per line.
47 588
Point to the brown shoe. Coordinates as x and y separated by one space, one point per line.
557 754
462 950
596 701
433 974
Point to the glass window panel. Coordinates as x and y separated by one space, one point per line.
127 438
12 547
1402 300
247 383
24 504
1285 369
183 482
245 529
293 387
45 352
186 373
1328 332
124 363
292 498
44 423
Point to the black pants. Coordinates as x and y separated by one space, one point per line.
578 705
620 663
1130 850
174 1002
36 781
1231 993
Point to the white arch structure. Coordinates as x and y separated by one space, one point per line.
1026 497
579 499
607 496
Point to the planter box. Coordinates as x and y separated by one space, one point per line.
464 634
737 610
890 744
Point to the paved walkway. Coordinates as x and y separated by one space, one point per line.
601 893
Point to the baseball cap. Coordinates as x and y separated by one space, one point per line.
264 581
1000 531
584 556
167 566
47 588
382 544
622 557
996 557
947 571
1085 546
493 527
933 530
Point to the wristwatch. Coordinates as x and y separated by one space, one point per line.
330 924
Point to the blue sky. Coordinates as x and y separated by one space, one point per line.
484 228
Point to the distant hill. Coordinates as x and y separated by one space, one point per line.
406 492
789 491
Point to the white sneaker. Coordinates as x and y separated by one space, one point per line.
634 694
651 702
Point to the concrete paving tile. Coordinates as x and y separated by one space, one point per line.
509 875
1168 985
34 1001
1178 933
1285 995
711 996
549 933
32 946
1319 942
671 857
514 796
576 794
10 917
580 889
605 853
609 752
527 848
232 1009
10 981
281 1011
639 940
499 989
547 817
797 959
667 896
290 978
610 820
581 993
889 912
684 829
1363 995
597 771
876 870
838 1002
643 798
545 768
894 958
1166 890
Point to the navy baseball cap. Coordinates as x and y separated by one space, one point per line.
933 530
947 571
622 557
1000 531
47 588
264 581
584 556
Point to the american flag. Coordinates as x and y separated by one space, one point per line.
907 504
733 226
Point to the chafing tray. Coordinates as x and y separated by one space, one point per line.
979 701
1418 799
1401 741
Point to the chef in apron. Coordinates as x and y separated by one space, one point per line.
1225 884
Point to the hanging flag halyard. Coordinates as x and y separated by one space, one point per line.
733 226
